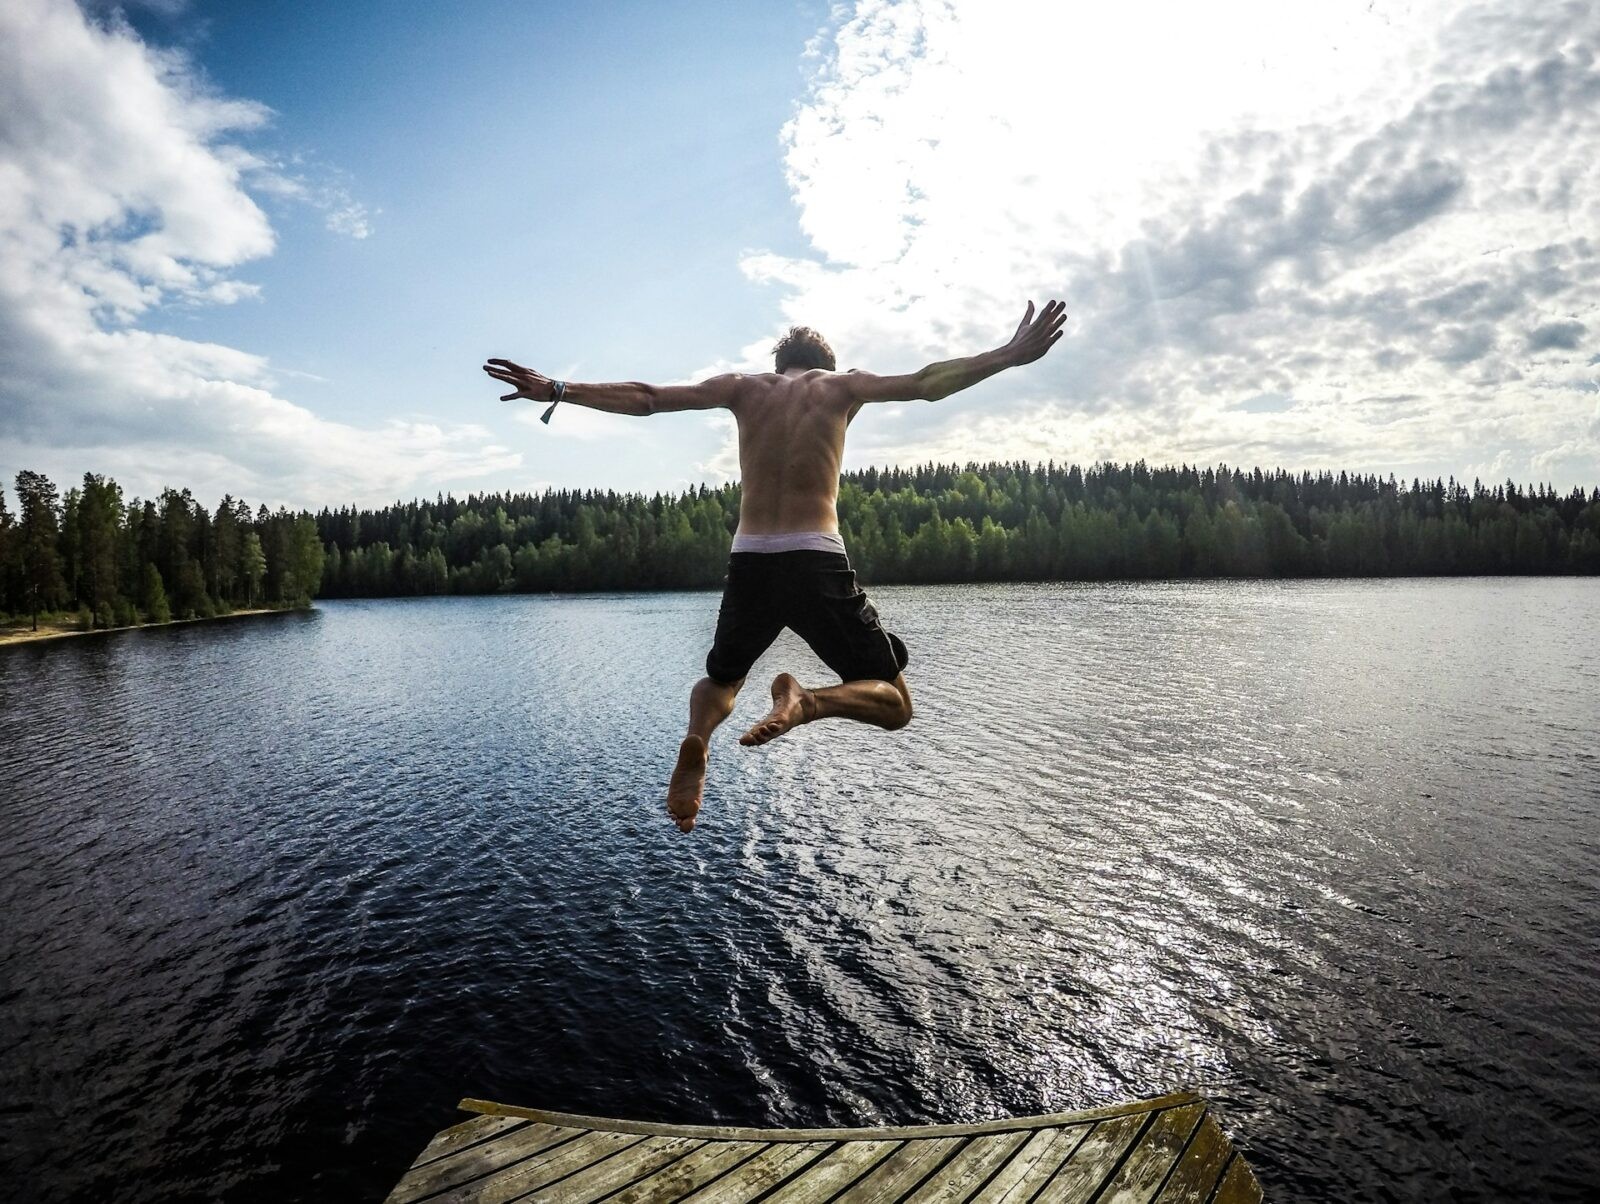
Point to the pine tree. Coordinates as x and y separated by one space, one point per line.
223 570
100 518
8 543
39 531
153 596
252 565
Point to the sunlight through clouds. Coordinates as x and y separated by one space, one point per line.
1330 203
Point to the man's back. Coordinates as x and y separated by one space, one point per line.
791 443
792 421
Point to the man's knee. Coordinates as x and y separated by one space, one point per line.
901 716
719 695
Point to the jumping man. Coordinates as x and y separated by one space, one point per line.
788 567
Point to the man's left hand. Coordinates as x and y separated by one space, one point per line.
535 386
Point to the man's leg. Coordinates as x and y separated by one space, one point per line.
881 703
710 702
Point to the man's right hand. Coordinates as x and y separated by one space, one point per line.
1035 336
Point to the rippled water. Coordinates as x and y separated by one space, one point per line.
276 893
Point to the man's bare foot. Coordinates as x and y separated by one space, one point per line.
687 783
792 705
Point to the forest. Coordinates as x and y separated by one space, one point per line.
981 522
93 560
104 562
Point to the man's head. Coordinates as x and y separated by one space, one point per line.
803 347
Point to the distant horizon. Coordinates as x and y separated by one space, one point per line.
1591 491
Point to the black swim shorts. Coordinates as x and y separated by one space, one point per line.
815 595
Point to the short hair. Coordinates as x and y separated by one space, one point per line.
803 347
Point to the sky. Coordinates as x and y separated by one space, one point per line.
263 249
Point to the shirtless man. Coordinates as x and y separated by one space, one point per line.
788 566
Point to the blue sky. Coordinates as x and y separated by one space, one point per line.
560 182
569 185
263 248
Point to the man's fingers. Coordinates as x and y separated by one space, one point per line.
1036 335
1050 314
511 396
1027 317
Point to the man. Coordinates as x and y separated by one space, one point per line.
788 566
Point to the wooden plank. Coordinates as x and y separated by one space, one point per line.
834 1172
468 1132
969 1170
1139 1178
619 1170
1033 1165
1238 1185
688 1174
475 1161
1052 1120
550 1167
759 1174
901 1171
1200 1167
1166 1150
1093 1161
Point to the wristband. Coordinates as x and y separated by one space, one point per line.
558 390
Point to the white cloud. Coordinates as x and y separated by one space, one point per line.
723 464
122 189
320 187
1386 215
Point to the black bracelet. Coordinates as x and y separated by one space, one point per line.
558 390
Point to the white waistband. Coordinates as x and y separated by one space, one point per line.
789 541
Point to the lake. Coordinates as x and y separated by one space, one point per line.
277 892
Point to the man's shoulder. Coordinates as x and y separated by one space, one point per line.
809 380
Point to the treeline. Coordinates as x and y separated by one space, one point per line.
106 562
984 522
110 563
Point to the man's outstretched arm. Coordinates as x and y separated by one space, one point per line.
1034 337
621 397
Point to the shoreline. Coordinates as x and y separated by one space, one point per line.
56 631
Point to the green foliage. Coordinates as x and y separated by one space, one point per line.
980 522
39 561
153 596
111 564
252 566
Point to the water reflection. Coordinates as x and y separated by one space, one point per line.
277 894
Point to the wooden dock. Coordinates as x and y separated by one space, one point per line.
1168 1149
